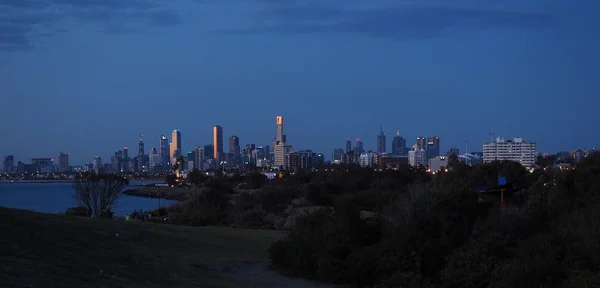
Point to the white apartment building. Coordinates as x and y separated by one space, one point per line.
417 157
366 159
282 150
511 150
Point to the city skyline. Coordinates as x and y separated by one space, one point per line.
421 143
79 72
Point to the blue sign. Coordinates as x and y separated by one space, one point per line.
501 181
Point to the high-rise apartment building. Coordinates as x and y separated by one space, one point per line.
63 161
218 143
381 142
511 150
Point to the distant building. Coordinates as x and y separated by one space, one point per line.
511 150
63 161
358 147
399 145
97 164
366 159
417 157
433 147
437 163
8 164
165 157
381 142
282 150
218 143
336 155
470 159
389 161
43 165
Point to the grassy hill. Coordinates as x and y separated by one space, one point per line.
43 250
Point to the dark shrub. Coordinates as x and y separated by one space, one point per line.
77 211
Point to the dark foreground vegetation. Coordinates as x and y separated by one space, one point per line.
358 227
439 232
42 250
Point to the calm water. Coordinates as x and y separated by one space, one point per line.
57 197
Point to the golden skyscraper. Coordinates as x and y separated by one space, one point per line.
218 143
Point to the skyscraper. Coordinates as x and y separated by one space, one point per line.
358 147
164 152
175 144
63 161
348 145
141 145
433 147
399 145
234 148
381 141
218 143
279 136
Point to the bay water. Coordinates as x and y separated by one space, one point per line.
57 197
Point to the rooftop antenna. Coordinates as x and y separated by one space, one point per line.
466 146
491 136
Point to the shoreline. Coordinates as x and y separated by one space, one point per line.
35 181
168 193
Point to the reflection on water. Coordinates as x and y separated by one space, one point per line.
57 197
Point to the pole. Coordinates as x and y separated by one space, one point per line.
466 146
502 204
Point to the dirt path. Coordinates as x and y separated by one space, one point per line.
258 274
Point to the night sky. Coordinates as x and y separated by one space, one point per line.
87 77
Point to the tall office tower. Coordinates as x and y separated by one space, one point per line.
279 136
218 143
199 158
165 157
399 145
175 144
348 145
63 161
9 164
381 141
142 160
421 143
125 152
97 164
141 145
234 148
433 147
358 147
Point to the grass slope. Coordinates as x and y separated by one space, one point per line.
43 250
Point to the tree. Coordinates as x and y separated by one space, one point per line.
98 193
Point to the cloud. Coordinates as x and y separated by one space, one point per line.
22 20
390 20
